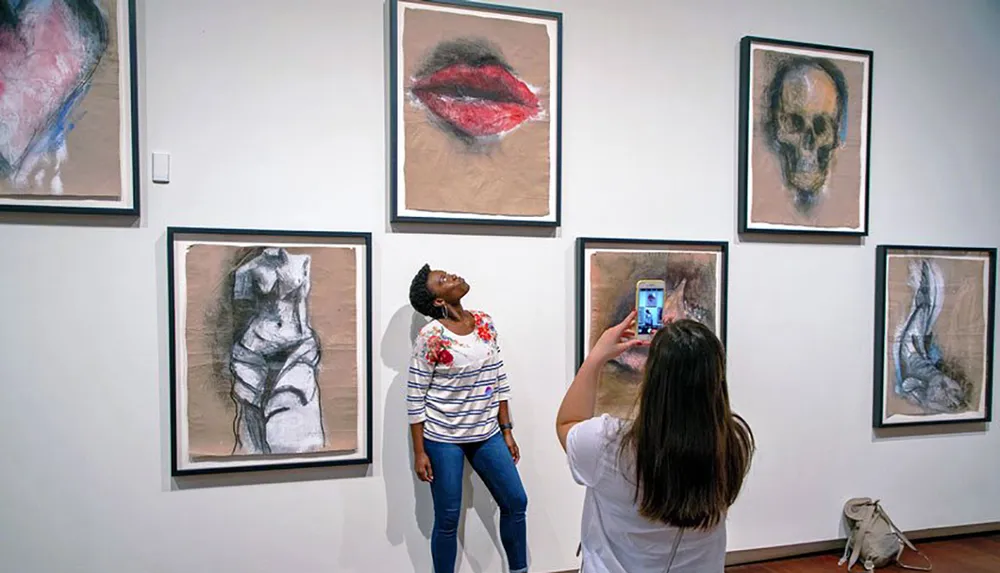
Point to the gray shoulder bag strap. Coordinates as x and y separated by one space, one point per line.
673 551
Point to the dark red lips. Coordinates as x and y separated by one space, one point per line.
477 100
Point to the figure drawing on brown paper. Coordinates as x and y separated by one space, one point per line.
476 113
276 357
67 106
804 138
271 351
936 315
694 275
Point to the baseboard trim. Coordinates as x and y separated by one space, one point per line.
745 556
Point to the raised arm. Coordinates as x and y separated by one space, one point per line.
578 404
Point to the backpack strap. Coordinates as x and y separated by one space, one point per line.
862 528
899 533
673 551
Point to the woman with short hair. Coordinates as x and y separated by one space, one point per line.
457 404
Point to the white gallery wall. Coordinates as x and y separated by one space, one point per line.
274 116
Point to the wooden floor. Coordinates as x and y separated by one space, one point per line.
979 554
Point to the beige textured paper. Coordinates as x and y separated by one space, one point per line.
613 278
772 200
440 173
960 329
211 330
91 168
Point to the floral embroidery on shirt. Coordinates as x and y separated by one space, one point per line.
436 347
436 344
456 382
484 327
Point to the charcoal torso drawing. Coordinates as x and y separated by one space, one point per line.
275 359
919 376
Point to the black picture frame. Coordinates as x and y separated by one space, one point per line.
747 105
583 244
128 204
362 241
398 214
883 337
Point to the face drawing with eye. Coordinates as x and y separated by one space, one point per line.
690 281
471 92
804 122
691 291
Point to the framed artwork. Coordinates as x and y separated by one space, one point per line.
805 130
68 107
270 349
933 335
608 270
475 113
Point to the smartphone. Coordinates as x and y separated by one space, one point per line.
649 297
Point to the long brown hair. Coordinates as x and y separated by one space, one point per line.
689 451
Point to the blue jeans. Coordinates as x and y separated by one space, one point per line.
492 461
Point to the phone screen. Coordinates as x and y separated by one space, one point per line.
649 314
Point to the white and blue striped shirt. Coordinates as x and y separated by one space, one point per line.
456 382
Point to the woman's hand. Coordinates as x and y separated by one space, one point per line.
616 340
515 452
578 403
422 465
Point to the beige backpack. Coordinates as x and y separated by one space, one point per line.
873 539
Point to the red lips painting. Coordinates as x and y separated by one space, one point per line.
477 113
474 92
61 106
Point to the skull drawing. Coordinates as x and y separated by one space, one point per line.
808 97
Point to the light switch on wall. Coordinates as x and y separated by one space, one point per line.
161 167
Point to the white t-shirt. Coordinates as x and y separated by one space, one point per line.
615 538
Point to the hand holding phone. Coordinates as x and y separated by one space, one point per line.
649 299
616 340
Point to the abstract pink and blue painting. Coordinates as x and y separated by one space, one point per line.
65 104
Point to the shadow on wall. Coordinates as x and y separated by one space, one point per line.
403 490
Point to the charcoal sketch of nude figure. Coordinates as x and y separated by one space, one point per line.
275 360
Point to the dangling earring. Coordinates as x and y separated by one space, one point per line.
444 312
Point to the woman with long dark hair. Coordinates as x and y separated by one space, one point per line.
659 485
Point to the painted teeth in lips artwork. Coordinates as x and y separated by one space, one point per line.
471 92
